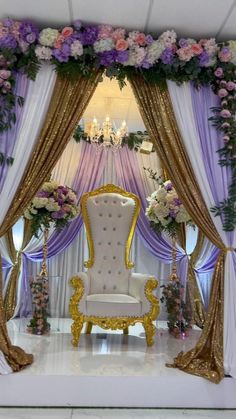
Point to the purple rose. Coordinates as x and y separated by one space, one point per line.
27 28
183 43
167 56
122 56
225 113
8 41
172 214
108 57
168 186
89 36
42 194
30 38
203 59
62 54
177 201
149 39
219 72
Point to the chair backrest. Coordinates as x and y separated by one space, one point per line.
110 215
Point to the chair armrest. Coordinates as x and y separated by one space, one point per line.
81 283
141 287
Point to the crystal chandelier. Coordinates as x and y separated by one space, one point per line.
106 135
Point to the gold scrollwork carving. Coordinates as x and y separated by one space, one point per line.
113 322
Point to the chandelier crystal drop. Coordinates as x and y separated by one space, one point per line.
106 135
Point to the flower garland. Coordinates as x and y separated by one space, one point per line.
39 325
53 204
79 49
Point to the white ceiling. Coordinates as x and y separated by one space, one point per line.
195 18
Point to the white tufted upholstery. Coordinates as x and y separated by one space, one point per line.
110 218
109 290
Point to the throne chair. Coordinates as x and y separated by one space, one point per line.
109 294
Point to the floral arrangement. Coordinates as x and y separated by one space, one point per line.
79 49
179 316
166 211
53 204
39 325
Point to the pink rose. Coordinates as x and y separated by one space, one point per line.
197 49
219 72
7 85
5 74
222 93
230 85
118 34
226 138
185 53
105 31
67 31
225 113
141 39
58 43
121 45
225 125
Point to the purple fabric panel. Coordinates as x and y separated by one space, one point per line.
87 178
8 138
129 176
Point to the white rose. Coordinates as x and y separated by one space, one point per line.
52 206
48 36
27 215
43 53
50 186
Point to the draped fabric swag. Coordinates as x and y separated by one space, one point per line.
68 102
206 359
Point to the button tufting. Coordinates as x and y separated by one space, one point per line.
123 202
114 257
109 272
119 215
114 202
104 287
99 272
110 215
114 229
119 243
104 257
105 201
119 272
100 215
114 288
109 243
99 243
104 228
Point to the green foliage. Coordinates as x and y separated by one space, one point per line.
6 160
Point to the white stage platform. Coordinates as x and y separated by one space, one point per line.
108 370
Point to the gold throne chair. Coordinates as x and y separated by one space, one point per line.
109 294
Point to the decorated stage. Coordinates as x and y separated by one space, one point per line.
109 370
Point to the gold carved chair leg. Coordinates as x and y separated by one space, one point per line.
76 328
126 331
149 330
88 328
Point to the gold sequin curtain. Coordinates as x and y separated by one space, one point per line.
206 359
16 257
69 100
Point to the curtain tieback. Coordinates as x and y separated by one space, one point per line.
228 249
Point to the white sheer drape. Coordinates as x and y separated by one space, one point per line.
182 104
34 111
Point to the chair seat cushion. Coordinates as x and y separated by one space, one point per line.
112 305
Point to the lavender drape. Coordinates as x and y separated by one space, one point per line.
130 179
8 138
219 177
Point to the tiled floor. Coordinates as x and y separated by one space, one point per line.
27 413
